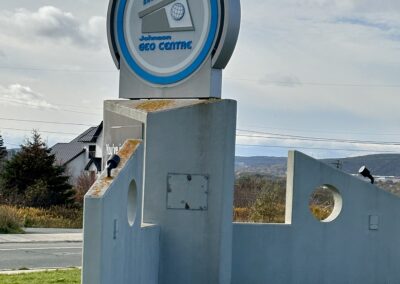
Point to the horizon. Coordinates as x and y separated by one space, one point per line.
324 81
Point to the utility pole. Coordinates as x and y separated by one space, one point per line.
338 164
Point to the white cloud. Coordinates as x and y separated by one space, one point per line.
17 94
51 23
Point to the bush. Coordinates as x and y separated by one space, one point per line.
320 212
241 214
36 195
82 185
55 217
259 199
10 222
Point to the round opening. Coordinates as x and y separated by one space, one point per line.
132 203
325 203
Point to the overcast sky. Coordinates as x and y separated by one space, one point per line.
314 68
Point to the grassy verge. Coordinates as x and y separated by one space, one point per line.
55 217
10 223
59 276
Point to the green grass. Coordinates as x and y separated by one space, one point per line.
60 276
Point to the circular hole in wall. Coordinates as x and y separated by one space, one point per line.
325 203
132 202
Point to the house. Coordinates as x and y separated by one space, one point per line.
83 154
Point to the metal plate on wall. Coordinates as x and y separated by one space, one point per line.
187 192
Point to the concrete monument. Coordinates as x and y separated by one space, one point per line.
165 213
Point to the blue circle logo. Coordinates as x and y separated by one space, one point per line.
166 42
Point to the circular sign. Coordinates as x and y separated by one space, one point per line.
166 41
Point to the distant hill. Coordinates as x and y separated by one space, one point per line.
275 166
381 164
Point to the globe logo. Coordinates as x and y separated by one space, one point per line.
178 11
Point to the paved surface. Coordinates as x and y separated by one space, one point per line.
41 248
11 272
40 255
43 235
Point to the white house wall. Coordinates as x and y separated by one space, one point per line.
99 145
76 167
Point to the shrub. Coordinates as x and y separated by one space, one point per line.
54 217
259 198
82 185
241 214
36 195
320 212
10 222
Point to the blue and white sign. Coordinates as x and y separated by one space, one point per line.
165 42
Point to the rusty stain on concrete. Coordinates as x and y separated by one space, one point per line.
103 183
155 105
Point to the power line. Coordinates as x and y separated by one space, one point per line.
55 109
315 84
44 69
43 131
76 106
269 135
315 148
47 122
264 135
242 145
375 132
260 81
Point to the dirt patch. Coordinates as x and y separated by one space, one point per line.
155 105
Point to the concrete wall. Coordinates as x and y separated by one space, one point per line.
362 245
118 247
184 172
195 246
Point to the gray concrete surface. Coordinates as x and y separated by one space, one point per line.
182 174
15 256
24 271
52 231
360 245
43 236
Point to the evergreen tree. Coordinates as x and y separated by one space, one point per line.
32 178
3 153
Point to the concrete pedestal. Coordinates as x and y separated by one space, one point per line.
187 175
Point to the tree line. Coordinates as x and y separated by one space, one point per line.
32 177
259 198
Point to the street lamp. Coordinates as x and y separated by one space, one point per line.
366 173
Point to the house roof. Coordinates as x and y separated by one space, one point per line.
90 135
66 152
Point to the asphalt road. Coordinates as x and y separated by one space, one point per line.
40 255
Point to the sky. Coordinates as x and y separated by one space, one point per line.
320 76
